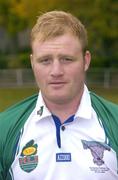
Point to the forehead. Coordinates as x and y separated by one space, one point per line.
64 42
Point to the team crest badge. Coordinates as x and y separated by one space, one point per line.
97 150
29 159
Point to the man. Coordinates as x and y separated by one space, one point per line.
66 132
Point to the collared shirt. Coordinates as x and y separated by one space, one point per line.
76 149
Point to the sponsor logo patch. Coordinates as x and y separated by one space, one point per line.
28 159
63 157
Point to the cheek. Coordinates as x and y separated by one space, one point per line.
77 71
37 73
41 75
77 76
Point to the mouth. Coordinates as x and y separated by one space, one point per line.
57 84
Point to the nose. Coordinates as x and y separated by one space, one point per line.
57 68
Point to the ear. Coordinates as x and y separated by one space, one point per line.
31 60
87 59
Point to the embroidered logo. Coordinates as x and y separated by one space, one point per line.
28 159
97 150
40 111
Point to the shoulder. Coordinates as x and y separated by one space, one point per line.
11 122
13 113
98 101
108 113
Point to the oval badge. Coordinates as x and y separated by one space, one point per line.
29 151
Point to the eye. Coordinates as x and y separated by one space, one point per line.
66 59
45 61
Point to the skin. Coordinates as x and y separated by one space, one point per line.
59 67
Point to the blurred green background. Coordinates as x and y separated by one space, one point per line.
17 18
10 96
99 16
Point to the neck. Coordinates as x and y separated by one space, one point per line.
63 111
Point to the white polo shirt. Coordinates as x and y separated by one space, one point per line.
75 150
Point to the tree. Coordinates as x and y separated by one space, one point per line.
11 20
99 17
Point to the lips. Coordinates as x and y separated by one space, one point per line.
57 83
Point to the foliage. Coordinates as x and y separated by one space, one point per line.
99 17
21 60
3 61
10 17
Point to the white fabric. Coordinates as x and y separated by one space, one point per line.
79 164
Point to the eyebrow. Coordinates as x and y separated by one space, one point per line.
59 56
43 57
67 55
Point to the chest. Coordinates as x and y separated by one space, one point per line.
65 152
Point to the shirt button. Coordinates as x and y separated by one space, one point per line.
63 128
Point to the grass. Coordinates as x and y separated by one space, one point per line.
10 96
110 94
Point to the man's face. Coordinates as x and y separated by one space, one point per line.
59 67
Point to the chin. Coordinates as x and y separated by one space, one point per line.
59 99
